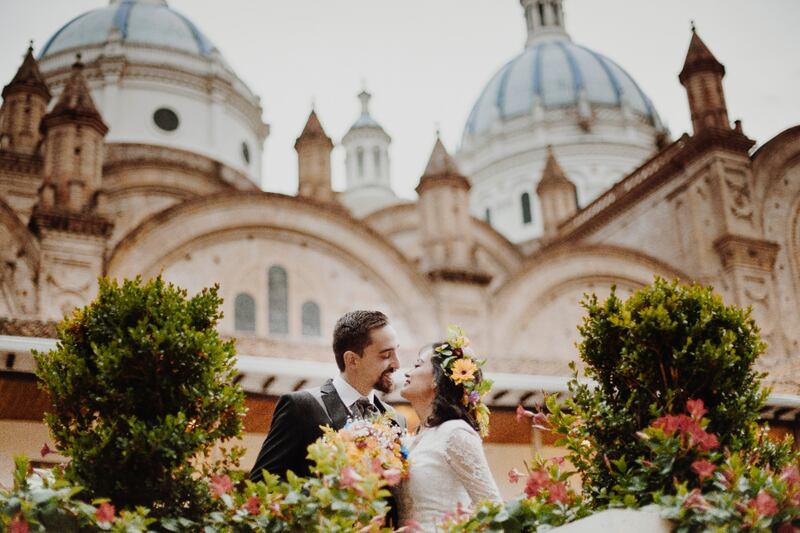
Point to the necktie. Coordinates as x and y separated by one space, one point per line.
363 408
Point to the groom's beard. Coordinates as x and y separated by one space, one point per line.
385 383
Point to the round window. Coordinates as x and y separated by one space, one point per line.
166 119
245 152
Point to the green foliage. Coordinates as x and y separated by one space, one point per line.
44 501
666 344
142 389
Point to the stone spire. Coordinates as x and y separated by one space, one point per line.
367 174
702 77
557 194
74 134
75 105
544 19
314 161
25 101
445 222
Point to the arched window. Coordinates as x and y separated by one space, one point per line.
278 298
529 16
487 216
360 161
526 208
311 320
376 156
244 314
541 13
555 15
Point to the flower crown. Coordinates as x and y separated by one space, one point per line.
461 365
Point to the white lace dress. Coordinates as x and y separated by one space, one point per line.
447 466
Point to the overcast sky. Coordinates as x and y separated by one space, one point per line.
426 61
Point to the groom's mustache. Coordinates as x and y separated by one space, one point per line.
385 382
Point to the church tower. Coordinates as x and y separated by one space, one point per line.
557 194
702 77
25 102
367 163
67 219
74 133
314 161
445 221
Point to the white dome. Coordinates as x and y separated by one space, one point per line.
556 93
145 22
556 73
158 80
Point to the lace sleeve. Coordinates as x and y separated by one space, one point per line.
466 457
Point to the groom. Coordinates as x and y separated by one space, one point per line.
365 347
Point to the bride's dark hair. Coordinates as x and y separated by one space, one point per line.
448 400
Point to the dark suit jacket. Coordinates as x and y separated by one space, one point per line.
296 424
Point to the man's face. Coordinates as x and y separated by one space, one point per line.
379 359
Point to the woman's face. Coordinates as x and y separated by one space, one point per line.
419 387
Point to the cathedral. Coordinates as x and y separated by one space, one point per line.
129 147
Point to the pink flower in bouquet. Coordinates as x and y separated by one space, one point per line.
221 484
791 475
696 408
557 492
18 525
764 504
392 476
253 504
349 477
105 512
703 468
514 475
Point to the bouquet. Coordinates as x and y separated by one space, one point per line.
364 453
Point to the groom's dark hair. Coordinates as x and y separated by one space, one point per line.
352 332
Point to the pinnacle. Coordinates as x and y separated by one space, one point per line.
28 77
440 161
76 100
313 131
553 174
699 58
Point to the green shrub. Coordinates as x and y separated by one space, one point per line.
649 355
142 390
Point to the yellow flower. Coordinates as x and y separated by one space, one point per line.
463 370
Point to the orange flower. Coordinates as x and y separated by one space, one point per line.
463 370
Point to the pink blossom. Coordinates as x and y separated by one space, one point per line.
557 492
221 484
537 481
392 476
514 475
696 408
105 512
523 413
349 477
18 525
541 421
764 504
791 475
253 504
695 500
46 450
703 468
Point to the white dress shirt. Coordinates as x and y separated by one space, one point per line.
348 394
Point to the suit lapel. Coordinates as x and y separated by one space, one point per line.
337 411
394 416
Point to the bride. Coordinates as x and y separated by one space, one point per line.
448 467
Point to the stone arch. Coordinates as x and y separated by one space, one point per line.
321 232
776 179
19 265
535 314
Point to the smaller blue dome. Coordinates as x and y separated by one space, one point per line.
149 22
556 72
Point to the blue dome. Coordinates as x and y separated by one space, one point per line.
556 72
149 22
